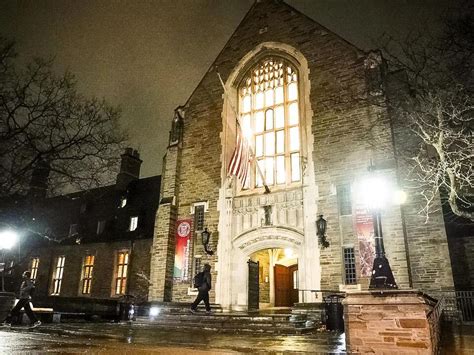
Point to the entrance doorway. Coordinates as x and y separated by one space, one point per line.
272 279
286 281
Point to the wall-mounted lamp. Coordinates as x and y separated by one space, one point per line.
206 237
321 225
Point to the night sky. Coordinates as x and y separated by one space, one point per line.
148 56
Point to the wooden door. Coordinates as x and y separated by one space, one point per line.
282 286
293 269
253 286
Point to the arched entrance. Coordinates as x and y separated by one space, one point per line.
273 278
277 277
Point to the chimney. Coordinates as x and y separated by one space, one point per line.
129 168
39 180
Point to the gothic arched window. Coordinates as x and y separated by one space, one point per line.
269 115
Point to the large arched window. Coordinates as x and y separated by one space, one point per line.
269 115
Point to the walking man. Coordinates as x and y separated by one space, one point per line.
26 289
203 284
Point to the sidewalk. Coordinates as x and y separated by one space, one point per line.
126 338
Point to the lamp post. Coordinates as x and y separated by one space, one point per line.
206 237
8 239
376 193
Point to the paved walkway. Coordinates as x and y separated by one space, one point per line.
104 338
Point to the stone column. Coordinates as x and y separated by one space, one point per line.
388 322
162 253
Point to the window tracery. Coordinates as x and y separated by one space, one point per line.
270 120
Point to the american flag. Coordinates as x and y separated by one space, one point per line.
239 163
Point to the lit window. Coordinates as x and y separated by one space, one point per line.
349 266
58 275
133 223
123 202
34 268
270 117
121 272
87 268
100 227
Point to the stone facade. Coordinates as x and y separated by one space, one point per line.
388 323
338 128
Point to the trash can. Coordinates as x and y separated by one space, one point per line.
126 309
334 312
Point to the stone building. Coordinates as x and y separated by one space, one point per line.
301 96
88 249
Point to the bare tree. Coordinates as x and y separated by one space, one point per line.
437 111
45 122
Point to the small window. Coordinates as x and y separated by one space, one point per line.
123 202
87 267
344 199
100 227
197 265
34 264
58 275
349 266
133 223
10 267
295 280
72 229
199 217
121 273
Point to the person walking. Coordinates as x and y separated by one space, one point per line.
26 289
203 285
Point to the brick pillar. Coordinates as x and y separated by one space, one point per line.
388 322
162 253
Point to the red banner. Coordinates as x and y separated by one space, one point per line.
365 236
183 244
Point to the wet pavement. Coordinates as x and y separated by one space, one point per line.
123 338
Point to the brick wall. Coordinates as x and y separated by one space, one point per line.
103 272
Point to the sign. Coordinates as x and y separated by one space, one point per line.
183 243
365 236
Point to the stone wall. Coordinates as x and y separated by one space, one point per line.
103 272
462 259
343 126
388 322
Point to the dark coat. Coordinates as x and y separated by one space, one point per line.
206 284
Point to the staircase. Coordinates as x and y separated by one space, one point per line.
178 316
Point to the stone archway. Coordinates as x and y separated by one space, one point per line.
250 242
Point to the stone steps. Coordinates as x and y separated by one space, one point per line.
229 322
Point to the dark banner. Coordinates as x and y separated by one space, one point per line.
183 244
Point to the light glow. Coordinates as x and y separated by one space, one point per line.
154 311
288 252
8 239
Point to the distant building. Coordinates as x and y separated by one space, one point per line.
300 94
92 244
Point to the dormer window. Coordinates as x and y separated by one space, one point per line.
72 229
133 223
123 202
100 227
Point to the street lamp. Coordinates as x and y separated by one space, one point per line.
8 239
376 194
206 238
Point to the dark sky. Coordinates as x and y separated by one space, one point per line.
148 56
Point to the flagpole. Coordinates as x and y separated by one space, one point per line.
264 182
